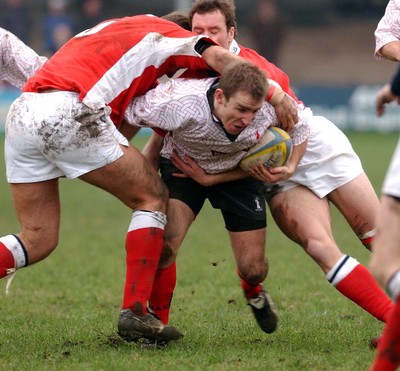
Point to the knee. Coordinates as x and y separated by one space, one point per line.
155 199
254 273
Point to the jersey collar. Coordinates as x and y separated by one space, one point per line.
234 47
210 99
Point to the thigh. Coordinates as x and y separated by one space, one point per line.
385 260
242 204
133 180
185 190
358 203
306 220
301 215
38 210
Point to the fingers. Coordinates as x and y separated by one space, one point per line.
383 97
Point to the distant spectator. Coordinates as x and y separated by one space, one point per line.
91 12
267 30
58 26
15 17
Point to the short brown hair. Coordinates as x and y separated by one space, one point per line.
180 18
243 76
226 7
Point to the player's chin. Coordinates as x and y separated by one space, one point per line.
236 130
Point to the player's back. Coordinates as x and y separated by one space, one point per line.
117 60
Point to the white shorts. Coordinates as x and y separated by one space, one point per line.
391 184
329 161
50 135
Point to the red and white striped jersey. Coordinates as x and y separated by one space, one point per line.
117 60
18 61
181 107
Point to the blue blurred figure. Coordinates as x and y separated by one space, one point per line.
58 26
15 16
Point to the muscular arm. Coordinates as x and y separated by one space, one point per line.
218 58
18 61
127 130
391 51
190 169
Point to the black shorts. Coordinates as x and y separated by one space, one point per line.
241 202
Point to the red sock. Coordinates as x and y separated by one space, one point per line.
360 287
6 260
163 290
143 249
250 290
388 356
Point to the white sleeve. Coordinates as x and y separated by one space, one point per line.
388 29
166 107
18 61
302 129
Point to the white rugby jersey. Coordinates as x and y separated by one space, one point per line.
388 28
181 107
18 61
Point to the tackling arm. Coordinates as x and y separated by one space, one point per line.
217 57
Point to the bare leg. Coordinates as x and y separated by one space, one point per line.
180 217
359 204
385 260
38 210
306 219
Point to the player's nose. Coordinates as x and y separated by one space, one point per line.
247 118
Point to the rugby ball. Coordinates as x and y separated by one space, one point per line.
273 149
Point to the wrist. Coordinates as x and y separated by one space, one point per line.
275 95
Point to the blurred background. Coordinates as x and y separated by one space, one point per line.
325 46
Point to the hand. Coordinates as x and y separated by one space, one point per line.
384 97
272 175
190 169
286 112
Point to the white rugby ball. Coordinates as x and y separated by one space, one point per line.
272 150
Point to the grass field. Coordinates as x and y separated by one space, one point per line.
61 314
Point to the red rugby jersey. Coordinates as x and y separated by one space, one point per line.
117 60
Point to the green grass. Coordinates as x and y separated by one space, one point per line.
61 314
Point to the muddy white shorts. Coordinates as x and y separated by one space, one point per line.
329 161
53 134
391 184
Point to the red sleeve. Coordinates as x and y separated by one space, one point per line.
273 72
160 132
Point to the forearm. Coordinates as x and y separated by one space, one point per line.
228 176
296 156
391 51
127 130
218 58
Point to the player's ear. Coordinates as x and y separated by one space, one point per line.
219 95
231 35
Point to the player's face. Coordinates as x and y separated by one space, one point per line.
237 112
213 25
